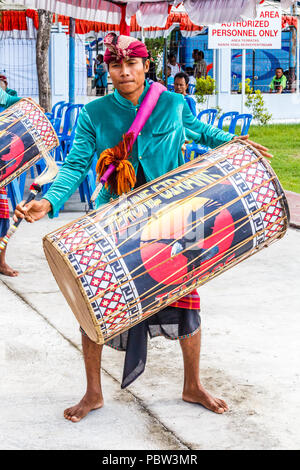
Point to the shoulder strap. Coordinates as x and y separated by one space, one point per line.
110 159
146 108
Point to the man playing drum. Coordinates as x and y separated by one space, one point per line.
156 151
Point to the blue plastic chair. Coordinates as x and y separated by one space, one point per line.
66 137
56 107
53 113
88 186
229 117
61 109
62 125
22 181
193 150
191 89
56 124
245 125
14 194
210 113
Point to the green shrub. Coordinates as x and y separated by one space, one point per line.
204 87
255 102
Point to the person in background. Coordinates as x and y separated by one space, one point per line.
181 85
5 101
170 79
151 75
190 72
200 70
278 83
194 56
100 72
4 86
175 67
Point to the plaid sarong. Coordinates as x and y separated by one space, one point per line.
4 210
190 301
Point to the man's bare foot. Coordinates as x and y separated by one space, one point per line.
87 404
199 395
8 271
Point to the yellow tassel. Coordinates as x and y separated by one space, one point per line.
123 178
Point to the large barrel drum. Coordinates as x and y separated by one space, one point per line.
136 255
26 135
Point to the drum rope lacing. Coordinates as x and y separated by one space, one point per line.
196 193
131 304
96 265
205 219
226 254
168 259
110 215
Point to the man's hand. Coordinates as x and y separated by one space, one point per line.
33 211
263 150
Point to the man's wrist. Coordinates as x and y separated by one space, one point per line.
47 206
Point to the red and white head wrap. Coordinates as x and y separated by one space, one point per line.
3 79
123 47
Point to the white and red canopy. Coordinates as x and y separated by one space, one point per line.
152 22
148 13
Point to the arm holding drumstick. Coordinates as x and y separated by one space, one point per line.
47 176
33 211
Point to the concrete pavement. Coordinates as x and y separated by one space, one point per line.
294 205
250 357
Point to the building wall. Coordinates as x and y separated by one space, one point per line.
18 63
284 108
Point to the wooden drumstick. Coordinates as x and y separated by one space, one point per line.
35 189
102 182
47 176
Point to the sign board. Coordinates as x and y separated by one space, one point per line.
263 32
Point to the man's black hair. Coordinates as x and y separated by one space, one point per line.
279 68
182 75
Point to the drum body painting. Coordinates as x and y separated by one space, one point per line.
25 135
136 255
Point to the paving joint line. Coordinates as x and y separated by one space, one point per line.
139 401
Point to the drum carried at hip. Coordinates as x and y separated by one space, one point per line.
26 135
136 255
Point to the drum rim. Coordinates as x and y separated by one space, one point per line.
32 162
45 117
52 243
276 182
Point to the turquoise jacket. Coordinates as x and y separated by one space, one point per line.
6 99
101 125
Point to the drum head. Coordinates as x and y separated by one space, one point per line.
72 290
